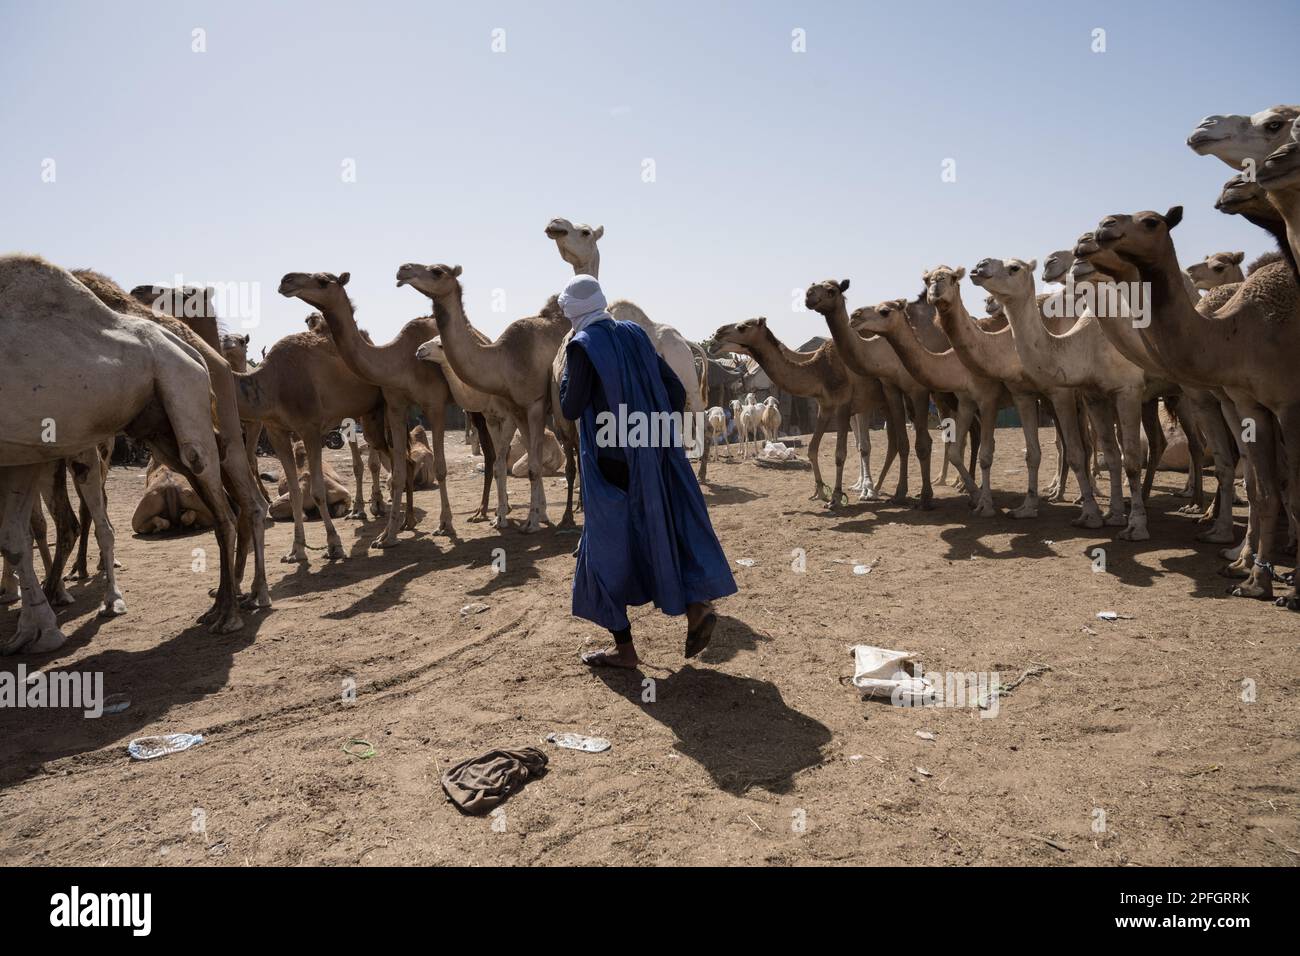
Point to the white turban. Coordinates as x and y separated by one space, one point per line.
583 302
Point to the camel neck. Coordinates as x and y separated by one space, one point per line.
358 354
1191 346
852 347
463 348
590 267
784 372
974 344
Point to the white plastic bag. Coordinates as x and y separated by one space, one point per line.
882 672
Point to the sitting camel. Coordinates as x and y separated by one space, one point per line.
168 504
338 501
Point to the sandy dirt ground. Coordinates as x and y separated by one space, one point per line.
1140 745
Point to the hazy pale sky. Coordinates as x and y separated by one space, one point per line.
772 168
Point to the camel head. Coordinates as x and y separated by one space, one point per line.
1006 279
1282 166
320 289
1142 237
826 295
1094 262
739 336
1235 138
431 351
316 323
434 280
1218 269
881 318
181 302
942 284
576 242
1057 265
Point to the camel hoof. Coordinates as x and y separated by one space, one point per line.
1234 570
477 517
1135 534
113 608
294 557
1291 602
61 597
1251 591
566 522
1116 521
77 574
382 542
1216 537
1023 512
985 511
1088 521
335 552
228 624
358 514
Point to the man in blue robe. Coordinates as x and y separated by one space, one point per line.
646 534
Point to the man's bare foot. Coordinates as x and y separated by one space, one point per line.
623 656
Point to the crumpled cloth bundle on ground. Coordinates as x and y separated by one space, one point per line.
479 784
778 454
879 671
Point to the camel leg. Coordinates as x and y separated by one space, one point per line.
866 486
955 450
1156 444
1262 453
894 407
90 486
482 436
500 465
814 447
252 438
315 470
535 437
396 419
80 570
920 409
1191 414
856 423
1204 413
282 442
1129 406
1101 412
1066 407
437 417
358 473
841 453
984 507
1027 408
55 493
254 515
568 436
38 628
1289 426
702 435
1056 490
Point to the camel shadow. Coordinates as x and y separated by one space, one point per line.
188 667
719 494
739 729
730 637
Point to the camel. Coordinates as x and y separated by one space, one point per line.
823 377
1219 268
1264 143
420 454
499 422
130 375
1082 359
769 419
303 387
337 499
198 329
1246 347
402 379
944 372
577 244
517 368
168 504
1198 410
552 456
873 357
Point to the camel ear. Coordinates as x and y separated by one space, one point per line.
343 279
1032 264
844 285
1173 217
959 274
1236 257
455 270
762 320
598 232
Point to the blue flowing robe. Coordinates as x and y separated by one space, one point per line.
653 542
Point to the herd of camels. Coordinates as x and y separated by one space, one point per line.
85 360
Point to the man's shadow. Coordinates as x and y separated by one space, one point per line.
737 728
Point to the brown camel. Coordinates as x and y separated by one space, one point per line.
838 392
337 499
516 368
874 358
1246 347
403 379
132 375
169 504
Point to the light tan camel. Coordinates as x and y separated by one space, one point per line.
403 379
304 387
498 416
238 479
1280 179
169 504
1219 268
944 372
516 367
131 375
577 244
1247 347
338 501
874 357
838 392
